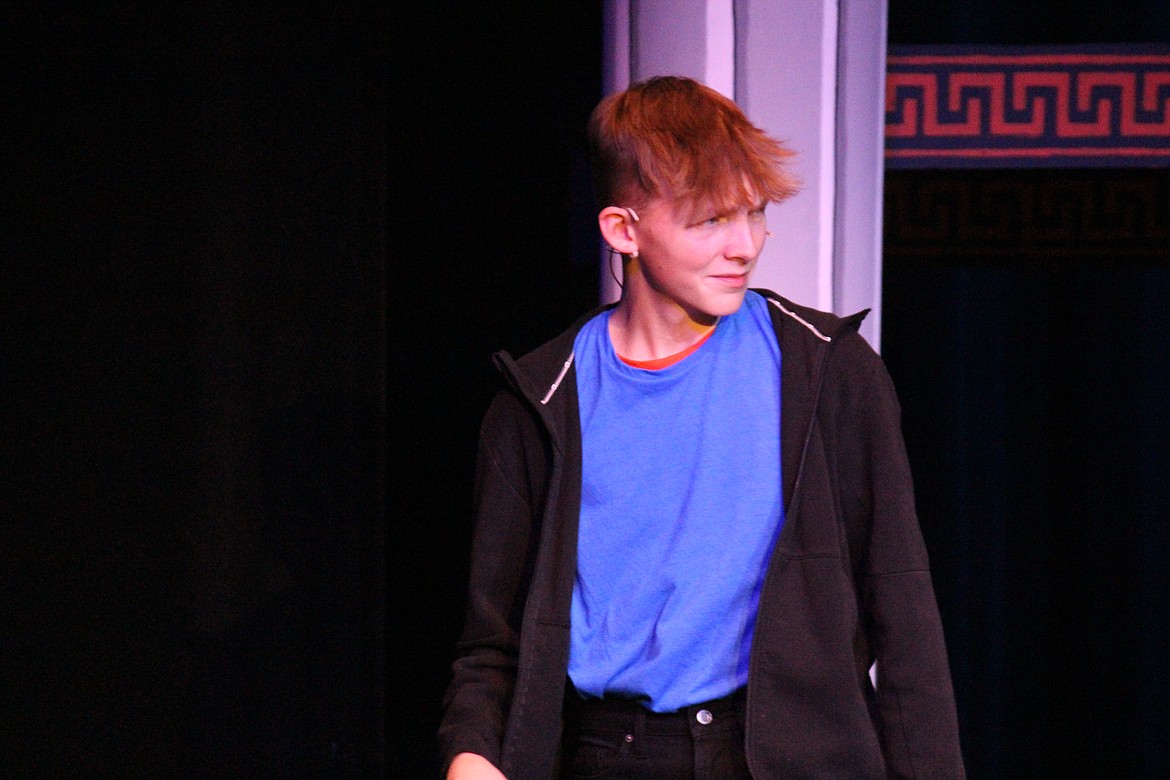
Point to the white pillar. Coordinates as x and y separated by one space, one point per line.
786 68
644 38
857 250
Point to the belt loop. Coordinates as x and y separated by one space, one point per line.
639 732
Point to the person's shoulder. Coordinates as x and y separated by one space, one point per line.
821 325
540 370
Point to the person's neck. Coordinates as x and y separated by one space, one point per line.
649 334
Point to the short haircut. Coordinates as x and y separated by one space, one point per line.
673 138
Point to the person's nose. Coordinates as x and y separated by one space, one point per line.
743 239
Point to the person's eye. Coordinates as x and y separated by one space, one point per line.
756 215
715 220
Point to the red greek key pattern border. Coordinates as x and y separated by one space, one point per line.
1002 108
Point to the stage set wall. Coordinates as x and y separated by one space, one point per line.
1024 330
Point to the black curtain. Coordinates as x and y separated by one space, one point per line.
192 448
494 239
1025 324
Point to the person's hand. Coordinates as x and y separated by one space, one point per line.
472 766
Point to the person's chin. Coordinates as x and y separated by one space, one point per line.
728 302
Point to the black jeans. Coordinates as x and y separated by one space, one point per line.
621 740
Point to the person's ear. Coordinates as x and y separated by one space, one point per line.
617 228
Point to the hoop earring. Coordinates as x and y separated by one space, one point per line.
613 273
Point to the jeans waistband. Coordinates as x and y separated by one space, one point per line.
621 714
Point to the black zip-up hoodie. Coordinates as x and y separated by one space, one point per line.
847 584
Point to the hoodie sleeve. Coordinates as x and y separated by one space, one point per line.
509 473
915 705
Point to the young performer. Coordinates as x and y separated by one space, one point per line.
696 528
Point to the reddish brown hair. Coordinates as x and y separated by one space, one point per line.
674 138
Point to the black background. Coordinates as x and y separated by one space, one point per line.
192 445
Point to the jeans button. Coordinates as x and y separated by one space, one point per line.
704 717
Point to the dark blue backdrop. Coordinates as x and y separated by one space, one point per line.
1037 419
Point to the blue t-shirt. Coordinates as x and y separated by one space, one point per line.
681 503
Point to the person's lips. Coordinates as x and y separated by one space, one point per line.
731 280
